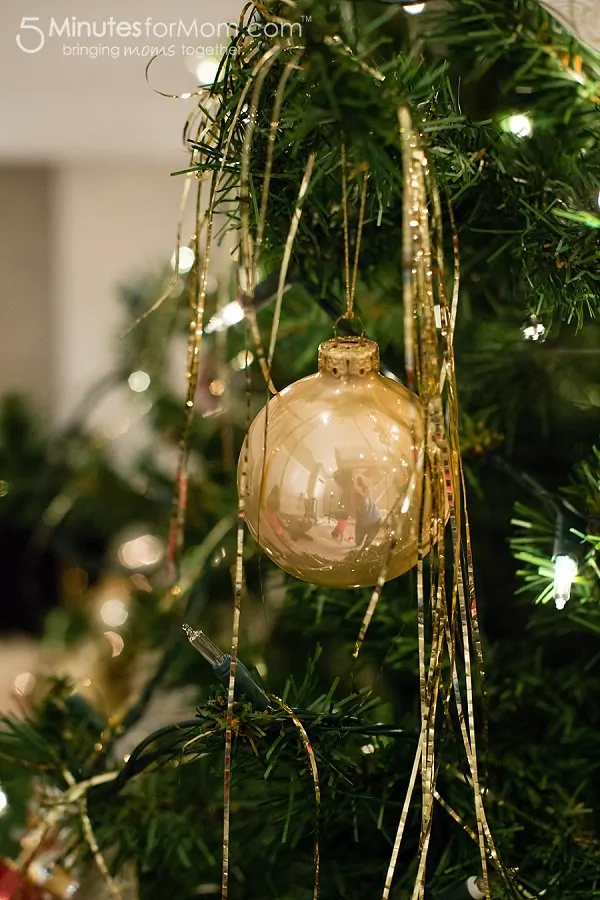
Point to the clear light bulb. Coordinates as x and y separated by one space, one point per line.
184 260
207 69
565 570
229 315
520 125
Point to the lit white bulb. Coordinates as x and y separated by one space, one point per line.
598 199
3 802
414 8
520 125
185 261
114 613
565 570
141 552
206 70
139 381
534 332
244 358
229 315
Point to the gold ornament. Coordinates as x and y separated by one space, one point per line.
336 498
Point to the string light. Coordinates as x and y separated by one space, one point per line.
242 359
114 613
414 8
186 260
533 329
141 552
206 70
229 315
3 802
565 572
139 381
520 125
217 387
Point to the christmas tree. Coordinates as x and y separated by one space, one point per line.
407 703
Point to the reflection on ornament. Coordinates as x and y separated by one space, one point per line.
533 329
340 491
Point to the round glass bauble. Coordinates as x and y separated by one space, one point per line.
334 471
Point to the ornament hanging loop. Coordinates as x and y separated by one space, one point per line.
351 277
348 316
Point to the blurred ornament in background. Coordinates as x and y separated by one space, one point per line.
580 17
15 886
338 494
52 879
533 329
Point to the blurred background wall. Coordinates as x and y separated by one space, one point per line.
86 197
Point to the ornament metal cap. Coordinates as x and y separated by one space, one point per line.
348 356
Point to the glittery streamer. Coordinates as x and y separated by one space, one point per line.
316 785
407 249
90 837
273 128
249 268
259 73
446 622
287 254
247 250
197 297
351 281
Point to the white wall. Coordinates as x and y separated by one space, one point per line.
25 275
104 207
112 222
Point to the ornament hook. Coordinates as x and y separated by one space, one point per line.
348 317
